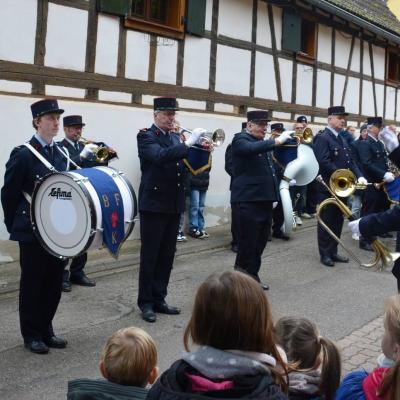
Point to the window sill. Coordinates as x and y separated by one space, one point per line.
153 27
305 58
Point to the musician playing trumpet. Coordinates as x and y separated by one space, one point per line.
374 162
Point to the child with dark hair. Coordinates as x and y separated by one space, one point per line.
236 355
383 383
315 360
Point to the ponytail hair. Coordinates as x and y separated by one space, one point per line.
306 350
390 387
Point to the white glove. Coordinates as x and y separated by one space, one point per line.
283 137
388 177
292 182
362 180
87 151
274 204
195 136
389 139
354 226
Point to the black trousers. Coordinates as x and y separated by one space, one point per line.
75 268
277 218
312 197
255 224
333 218
39 291
158 232
374 201
235 226
396 266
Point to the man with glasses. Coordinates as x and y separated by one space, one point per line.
254 190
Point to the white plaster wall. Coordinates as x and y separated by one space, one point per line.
324 53
15 87
18 30
265 82
107 45
66 37
390 102
379 61
225 108
304 84
366 60
208 21
338 87
137 55
323 85
196 105
355 60
166 61
118 126
342 49
119 97
54 90
286 72
379 90
235 19
368 99
196 64
278 26
233 71
281 115
263 29
351 100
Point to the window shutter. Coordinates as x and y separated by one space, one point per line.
115 7
196 17
291 31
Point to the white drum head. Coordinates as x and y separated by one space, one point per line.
62 215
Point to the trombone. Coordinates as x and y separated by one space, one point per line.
210 139
102 152
342 184
306 136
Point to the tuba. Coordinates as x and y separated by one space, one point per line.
303 169
342 184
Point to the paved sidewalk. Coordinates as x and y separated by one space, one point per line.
361 348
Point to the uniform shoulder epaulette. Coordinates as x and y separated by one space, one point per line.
143 130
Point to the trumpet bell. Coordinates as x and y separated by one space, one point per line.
343 182
307 136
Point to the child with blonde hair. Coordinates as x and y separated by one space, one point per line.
236 355
383 383
128 364
315 360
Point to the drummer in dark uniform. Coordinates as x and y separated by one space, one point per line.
374 163
73 126
41 273
161 201
332 152
254 190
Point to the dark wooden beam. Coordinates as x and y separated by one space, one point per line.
348 70
213 52
275 53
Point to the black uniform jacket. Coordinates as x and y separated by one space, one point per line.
333 153
373 159
74 155
376 224
163 172
23 169
255 178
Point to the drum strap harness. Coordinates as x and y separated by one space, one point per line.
47 164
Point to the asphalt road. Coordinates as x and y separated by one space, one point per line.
339 300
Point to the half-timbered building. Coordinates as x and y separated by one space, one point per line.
108 59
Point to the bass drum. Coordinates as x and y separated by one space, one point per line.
66 212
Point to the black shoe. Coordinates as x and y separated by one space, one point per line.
37 347
82 281
56 342
264 286
386 235
338 258
280 235
164 308
366 246
148 314
66 286
327 261
234 248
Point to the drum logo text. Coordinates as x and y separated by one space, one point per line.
60 194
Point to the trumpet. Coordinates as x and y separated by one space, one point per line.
341 183
207 139
306 136
102 153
